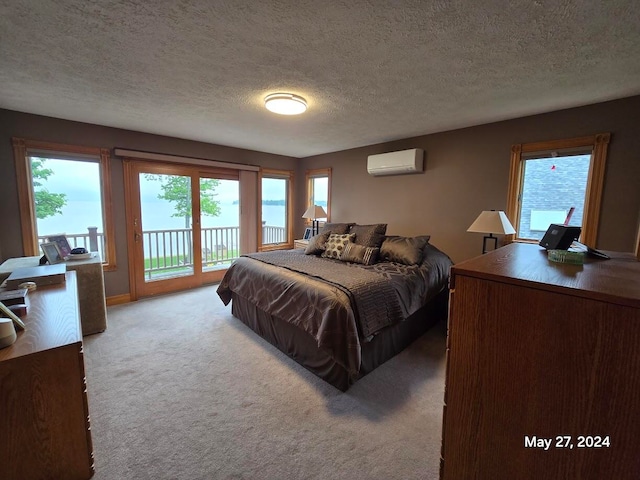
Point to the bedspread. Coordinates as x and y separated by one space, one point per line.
372 297
340 304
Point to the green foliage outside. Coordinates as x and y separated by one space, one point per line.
173 265
175 261
47 204
177 190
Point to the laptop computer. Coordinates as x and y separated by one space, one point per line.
559 237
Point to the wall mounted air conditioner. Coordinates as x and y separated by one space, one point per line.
396 163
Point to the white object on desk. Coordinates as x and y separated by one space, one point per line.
79 256
7 332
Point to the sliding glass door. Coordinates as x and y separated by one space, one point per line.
220 222
166 229
183 225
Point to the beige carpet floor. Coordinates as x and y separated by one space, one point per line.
180 389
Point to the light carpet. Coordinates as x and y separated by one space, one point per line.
180 389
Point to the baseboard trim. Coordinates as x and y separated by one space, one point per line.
118 299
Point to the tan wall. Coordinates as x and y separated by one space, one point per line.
467 171
15 124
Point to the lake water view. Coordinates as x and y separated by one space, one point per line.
79 181
78 215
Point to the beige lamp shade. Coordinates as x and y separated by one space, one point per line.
492 221
314 212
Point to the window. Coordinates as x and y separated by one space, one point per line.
276 191
319 190
65 189
557 182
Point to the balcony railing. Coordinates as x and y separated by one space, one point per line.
169 252
93 241
273 234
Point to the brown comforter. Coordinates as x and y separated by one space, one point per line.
340 304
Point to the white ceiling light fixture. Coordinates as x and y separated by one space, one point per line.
285 103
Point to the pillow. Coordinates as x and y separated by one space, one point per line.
359 254
335 245
339 228
407 250
316 244
369 235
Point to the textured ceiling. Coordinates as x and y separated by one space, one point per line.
372 71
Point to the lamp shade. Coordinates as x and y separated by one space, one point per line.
314 211
492 221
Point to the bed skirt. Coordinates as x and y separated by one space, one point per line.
303 348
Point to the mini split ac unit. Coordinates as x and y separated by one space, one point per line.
396 163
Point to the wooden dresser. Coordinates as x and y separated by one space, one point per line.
44 414
540 354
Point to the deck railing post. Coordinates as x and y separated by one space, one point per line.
93 239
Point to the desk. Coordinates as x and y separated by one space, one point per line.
44 422
93 309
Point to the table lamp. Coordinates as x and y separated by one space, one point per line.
491 221
313 213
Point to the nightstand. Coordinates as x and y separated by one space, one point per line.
300 243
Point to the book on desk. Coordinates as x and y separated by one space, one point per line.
42 275
13 297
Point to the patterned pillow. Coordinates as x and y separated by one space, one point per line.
369 235
359 254
316 244
339 228
407 250
335 245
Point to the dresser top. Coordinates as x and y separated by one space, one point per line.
52 321
616 280
11 264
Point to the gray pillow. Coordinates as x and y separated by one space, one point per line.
339 228
369 235
316 244
359 254
407 250
335 245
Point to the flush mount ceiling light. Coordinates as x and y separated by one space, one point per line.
285 103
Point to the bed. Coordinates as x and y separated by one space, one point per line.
341 308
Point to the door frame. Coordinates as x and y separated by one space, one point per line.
137 286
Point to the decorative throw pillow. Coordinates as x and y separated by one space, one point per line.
335 245
359 254
339 228
407 250
316 244
369 235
